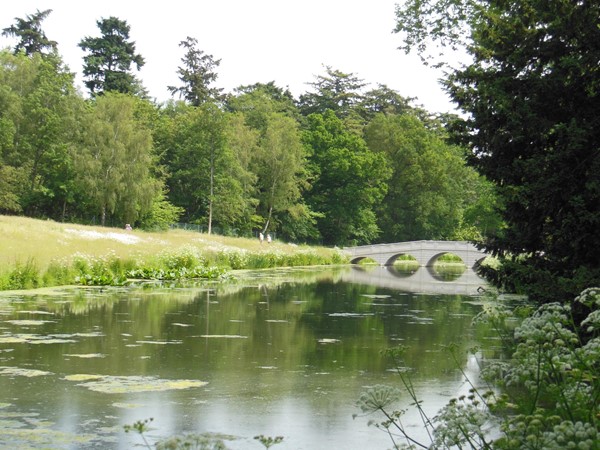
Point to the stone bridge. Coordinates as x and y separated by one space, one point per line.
425 252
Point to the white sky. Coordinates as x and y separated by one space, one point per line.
288 42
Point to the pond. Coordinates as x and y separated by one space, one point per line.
275 352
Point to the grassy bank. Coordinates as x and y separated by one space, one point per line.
39 253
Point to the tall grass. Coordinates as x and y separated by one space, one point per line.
36 253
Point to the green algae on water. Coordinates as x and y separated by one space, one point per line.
131 384
29 322
84 355
17 371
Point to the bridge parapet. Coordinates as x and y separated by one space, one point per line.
425 252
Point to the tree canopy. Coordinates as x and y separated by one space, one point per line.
531 98
349 180
315 168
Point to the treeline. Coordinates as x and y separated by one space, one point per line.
342 164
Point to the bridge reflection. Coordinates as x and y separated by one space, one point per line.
422 280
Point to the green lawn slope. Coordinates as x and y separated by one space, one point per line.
44 245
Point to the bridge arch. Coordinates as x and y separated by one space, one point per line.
425 252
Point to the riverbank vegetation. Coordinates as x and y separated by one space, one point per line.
42 253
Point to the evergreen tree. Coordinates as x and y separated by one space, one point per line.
336 91
107 66
32 38
197 74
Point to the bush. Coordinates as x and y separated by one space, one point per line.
24 276
58 274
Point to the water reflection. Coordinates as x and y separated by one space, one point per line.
282 352
449 280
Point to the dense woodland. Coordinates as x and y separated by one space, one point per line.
345 163
348 162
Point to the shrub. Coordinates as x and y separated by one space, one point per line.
24 276
551 389
58 274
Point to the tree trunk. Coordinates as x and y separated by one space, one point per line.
268 219
212 180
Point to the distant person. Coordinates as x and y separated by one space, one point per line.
261 237
128 227
268 238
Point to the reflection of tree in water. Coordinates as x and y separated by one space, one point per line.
272 337
286 322
446 272
400 270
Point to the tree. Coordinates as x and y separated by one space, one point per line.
243 142
38 122
197 74
279 162
107 67
115 162
430 188
336 91
206 164
32 38
348 181
256 102
531 94
280 167
382 100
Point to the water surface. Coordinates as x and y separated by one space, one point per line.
280 352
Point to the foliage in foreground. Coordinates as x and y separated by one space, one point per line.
192 441
550 389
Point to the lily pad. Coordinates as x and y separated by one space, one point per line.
82 377
127 405
23 338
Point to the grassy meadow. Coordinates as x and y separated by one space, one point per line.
39 253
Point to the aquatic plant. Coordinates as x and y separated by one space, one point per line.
192 441
189 441
268 441
141 427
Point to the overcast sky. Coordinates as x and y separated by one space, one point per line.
288 42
